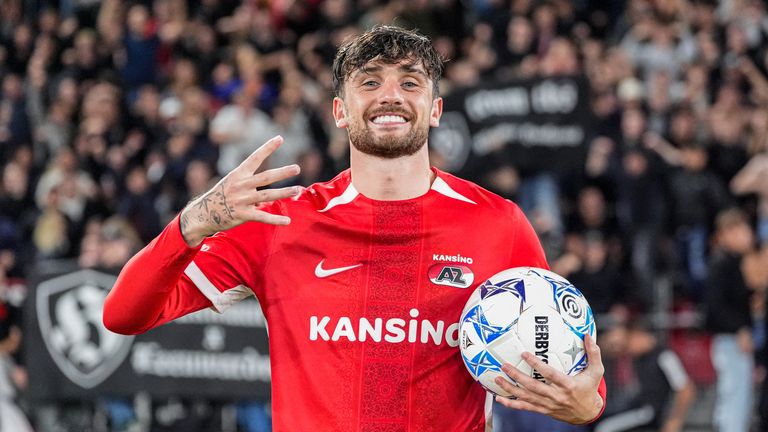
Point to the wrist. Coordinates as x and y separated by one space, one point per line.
192 231
596 411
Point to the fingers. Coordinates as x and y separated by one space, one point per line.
267 218
521 405
256 196
524 397
595 366
526 381
271 176
254 161
551 374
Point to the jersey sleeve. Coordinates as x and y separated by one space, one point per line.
150 289
168 279
230 264
526 248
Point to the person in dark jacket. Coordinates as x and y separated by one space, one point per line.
648 386
697 195
729 319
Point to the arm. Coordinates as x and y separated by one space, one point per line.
751 178
153 287
685 391
680 404
149 290
663 148
578 399
755 77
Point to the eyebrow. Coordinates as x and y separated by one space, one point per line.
406 68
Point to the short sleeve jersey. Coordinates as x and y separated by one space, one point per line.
363 298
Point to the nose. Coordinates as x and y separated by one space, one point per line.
391 93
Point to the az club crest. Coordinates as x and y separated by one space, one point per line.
449 274
69 312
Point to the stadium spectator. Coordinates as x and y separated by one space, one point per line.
72 185
697 195
518 45
593 214
753 179
12 376
665 48
238 129
641 211
17 206
650 389
728 120
14 123
728 317
140 45
596 276
138 203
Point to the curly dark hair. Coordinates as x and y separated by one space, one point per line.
390 45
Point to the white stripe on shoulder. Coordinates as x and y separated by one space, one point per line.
441 186
345 198
221 300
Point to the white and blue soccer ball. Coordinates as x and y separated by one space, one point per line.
524 309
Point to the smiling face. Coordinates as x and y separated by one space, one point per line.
388 108
386 86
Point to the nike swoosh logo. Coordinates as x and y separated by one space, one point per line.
322 273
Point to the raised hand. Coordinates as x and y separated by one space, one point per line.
573 399
234 199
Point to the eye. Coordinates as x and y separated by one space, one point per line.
370 83
410 84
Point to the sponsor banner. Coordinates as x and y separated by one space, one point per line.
533 124
71 355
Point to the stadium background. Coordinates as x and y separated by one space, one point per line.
638 122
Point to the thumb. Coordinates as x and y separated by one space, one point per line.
595 366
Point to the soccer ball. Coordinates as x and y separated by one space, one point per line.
524 309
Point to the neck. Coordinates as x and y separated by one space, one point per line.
391 179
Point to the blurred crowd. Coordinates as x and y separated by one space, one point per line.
114 114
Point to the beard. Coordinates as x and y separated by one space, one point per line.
388 146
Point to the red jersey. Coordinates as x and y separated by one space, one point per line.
362 299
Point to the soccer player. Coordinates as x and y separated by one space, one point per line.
362 279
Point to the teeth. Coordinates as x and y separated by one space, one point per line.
389 119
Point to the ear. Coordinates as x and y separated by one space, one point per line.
340 113
436 113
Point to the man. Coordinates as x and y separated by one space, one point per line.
650 388
729 319
361 339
